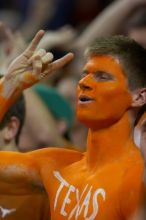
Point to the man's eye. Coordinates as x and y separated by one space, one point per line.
83 74
103 77
100 76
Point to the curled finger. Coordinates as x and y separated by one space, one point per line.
47 58
40 52
36 66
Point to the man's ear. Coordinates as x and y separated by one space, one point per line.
10 131
139 97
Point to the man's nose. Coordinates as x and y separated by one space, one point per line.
84 85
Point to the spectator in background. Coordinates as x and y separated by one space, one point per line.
60 108
27 15
54 116
11 126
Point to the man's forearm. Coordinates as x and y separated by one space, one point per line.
8 94
10 89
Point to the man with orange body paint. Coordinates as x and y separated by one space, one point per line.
106 182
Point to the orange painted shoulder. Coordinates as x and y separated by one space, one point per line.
61 156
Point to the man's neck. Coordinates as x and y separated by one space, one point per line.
108 144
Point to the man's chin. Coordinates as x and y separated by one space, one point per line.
88 122
95 124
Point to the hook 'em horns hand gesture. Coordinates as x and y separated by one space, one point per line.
34 64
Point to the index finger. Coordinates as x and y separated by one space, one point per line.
34 43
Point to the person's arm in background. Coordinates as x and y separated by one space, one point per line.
12 44
108 22
39 12
58 38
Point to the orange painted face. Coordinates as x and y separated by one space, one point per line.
103 94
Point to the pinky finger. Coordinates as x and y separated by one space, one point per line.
61 62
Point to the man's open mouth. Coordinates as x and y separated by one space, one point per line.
85 99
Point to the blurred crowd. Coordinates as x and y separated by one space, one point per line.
70 25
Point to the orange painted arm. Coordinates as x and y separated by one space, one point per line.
11 89
8 94
26 172
19 174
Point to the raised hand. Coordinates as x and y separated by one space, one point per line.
27 69
33 65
